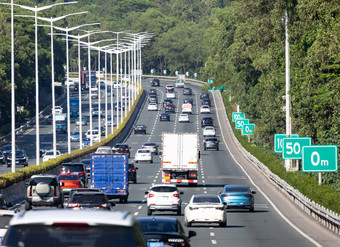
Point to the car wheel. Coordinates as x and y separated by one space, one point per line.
125 200
60 205
135 132
223 224
151 161
28 206
187 224
205 148
149 212
179 211
251 209
135 181
217 149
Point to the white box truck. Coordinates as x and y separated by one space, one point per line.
180 81
187 108
180 158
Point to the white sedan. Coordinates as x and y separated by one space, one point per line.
205 209
209 131
163 197
143 155
50 155
205 109
171 95
152 107
183 118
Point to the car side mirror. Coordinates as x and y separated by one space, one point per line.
146 192
26 183
160 152
112 203
136 168
191 234
253 192
181 193
219 192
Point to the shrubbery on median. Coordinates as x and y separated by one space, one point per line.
307 185
10 178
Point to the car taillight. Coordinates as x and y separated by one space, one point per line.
133 170
151 195
55 191
104 205
247 195
224 195
72 205
30 190
176 195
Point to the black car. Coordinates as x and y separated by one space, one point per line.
164 231
170 108
123 148
21 158
140 128
87 163
155 83
211 143
204 95
167 101
7 149
132 172
164 117
2 157
187 91
89 200
152 91
206 102
207 121
188 100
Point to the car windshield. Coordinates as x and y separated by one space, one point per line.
89 199
206 199
150 144
19 153
45 180
72 168
242 189
68 177
157 226
131 165
211 140
76 133
50 153
163 189
67 235
122 146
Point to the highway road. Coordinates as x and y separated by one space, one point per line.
264 227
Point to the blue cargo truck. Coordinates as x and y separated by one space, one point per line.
74 107
61 123
109 173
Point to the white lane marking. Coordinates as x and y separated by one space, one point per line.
213 241
205 192
258 188
140 207
135 214
212 234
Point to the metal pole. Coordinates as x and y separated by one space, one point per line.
112 121
117 91
37 133
79 92
125 99
68 97
320 178
53 95
121 87
105 95
12 89
99 102
135 70
90 86
288 163
130 79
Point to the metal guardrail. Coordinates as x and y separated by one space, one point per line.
324 216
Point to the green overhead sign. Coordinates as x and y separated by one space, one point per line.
240 122
320 158
248 129
164 72
292 147
238 115
278 138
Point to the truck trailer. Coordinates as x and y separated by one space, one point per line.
109 173
180 158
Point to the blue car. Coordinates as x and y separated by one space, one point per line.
75 136
86 142
238 196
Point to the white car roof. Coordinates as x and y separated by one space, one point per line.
164 185
52 216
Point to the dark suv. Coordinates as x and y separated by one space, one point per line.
155 82
206 101
187 91
44 190
207 121
21 158
132 172
123 148
211 143
89 200
76 168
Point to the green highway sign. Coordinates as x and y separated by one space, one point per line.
292 147
104 69
248 129
84 68
195 74
210 80
240 122
176 72
278 138
187 73
238 115
152 71
320 158
164 72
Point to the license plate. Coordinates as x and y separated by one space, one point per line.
155 244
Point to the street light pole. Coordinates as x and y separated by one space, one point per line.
12 89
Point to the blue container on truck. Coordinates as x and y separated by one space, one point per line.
74 107
109 173
61 123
